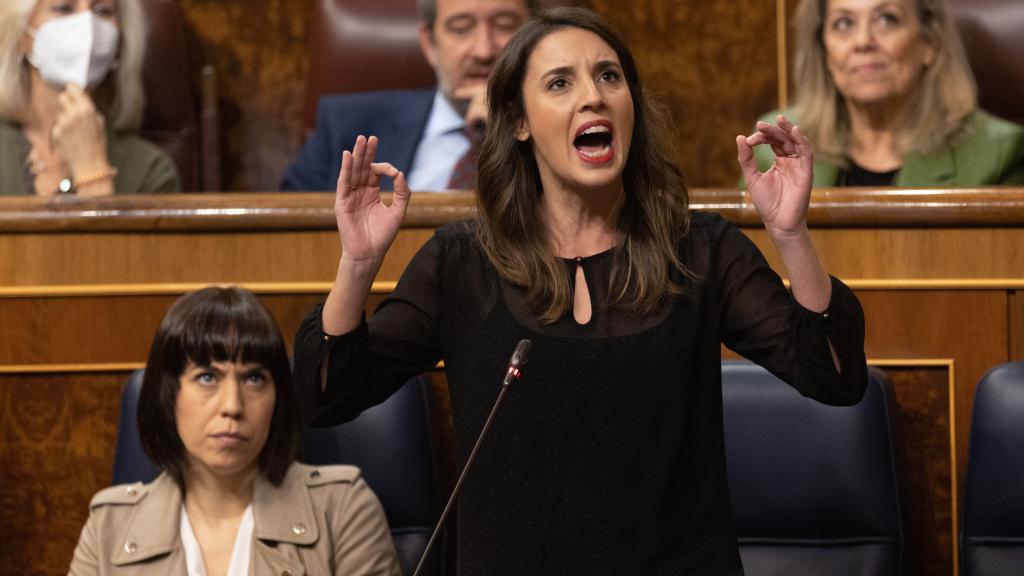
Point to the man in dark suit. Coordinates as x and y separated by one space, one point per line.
422 132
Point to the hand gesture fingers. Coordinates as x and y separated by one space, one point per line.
745 155
477 108
781 194
366 225
779 136
355 180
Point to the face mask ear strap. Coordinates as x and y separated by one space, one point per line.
22 55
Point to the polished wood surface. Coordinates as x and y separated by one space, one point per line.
57 434
83 284
260 52
922 397
713 65
830 208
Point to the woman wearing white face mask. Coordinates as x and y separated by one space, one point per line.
70 98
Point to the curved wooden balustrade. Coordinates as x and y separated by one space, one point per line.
830 207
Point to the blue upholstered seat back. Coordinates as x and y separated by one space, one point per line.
992 538
814 488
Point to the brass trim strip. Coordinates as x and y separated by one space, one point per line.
950 365
911 362
780 54
70 368
382 287
935 283
161 289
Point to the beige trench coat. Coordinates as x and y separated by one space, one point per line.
321 520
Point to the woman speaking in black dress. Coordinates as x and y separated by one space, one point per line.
608 456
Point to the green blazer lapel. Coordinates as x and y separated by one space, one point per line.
935 169
825 175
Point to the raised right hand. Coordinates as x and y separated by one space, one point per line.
79 138
475 97
366 225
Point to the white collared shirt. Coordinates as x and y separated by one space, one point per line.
444 142
240 553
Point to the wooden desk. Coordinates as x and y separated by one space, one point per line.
84 283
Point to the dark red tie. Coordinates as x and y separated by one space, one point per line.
464 174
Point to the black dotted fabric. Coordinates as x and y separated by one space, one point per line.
607 456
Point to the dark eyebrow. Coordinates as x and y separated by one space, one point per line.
559 71
205 367
606 64
255 368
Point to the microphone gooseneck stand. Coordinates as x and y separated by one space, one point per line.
515 364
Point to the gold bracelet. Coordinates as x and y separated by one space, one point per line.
108 172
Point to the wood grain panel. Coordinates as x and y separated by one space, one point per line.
57 437
1016 323
124 258
921 398
107 329
968 326
713 65
259 49
908 253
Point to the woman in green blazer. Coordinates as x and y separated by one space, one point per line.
885 94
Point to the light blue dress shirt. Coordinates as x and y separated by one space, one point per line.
444 142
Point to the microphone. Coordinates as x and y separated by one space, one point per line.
512 373
516 362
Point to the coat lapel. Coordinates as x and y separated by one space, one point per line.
284 513
825 175
154 527
936 169
407 127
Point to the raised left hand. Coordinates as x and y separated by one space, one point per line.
780 195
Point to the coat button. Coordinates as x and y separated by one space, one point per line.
299 528
131 547
314 474
131 490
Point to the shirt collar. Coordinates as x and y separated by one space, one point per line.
443 117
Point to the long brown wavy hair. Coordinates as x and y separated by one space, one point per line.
655 212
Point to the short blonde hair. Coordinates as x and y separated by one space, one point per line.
947 94
120 98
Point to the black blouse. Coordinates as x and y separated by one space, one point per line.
608 456
857 175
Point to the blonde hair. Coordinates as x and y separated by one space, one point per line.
946 94
120 98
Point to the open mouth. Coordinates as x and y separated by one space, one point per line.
593 141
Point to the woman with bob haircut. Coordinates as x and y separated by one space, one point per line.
608 455
217 414
886 96
71 100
